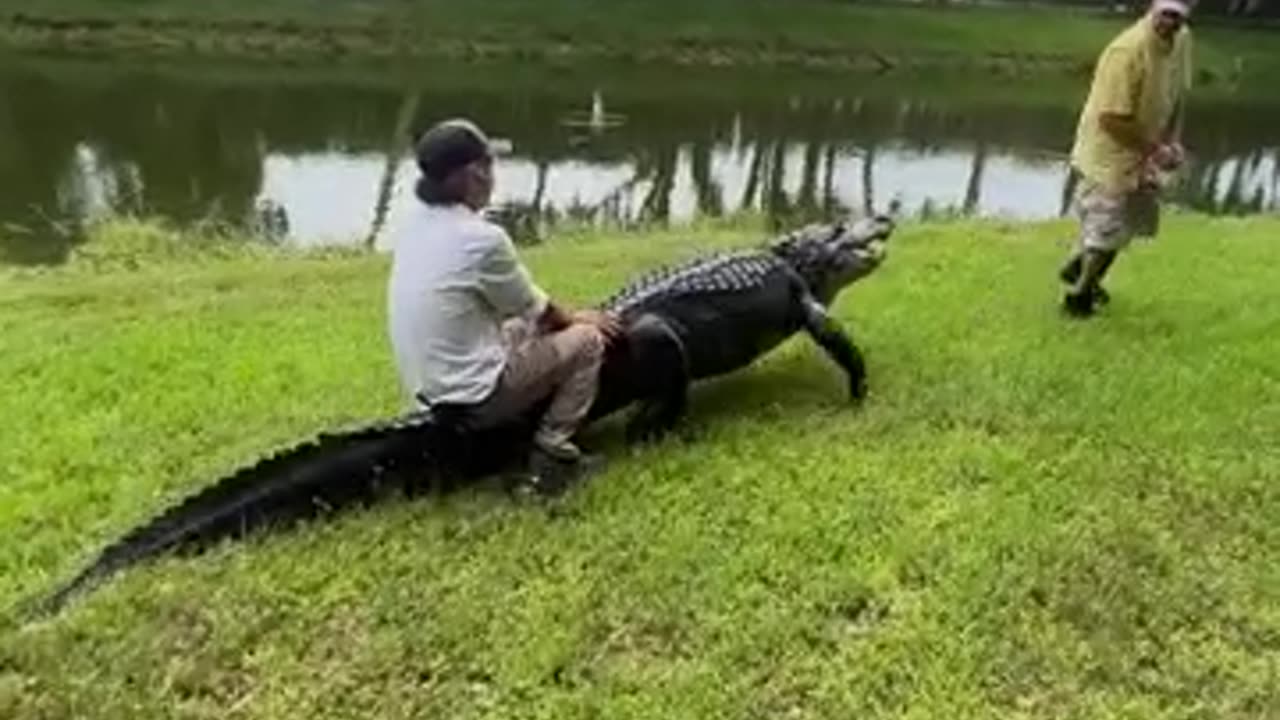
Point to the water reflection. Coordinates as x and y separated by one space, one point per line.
789 181
326 163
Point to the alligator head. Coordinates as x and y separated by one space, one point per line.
830 257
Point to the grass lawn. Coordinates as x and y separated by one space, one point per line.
1029 517
704 31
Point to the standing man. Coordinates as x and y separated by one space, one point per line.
469 327
1130 129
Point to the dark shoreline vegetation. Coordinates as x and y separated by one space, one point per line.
813 34
1028 517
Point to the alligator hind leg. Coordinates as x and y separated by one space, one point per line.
662 379
655 418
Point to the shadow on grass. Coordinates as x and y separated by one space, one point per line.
771 390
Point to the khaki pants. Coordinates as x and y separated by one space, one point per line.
564 366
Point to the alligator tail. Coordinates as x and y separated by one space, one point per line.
329 473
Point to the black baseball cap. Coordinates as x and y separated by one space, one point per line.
453 144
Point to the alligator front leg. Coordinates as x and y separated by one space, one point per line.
827 332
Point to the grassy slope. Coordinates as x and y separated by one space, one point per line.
725 30
1029 517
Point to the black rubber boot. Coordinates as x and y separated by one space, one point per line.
1070 272
551 475
1100 295
1077 304
1079 300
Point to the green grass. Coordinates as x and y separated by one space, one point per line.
703 31
1028 518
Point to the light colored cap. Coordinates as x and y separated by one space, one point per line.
1180 7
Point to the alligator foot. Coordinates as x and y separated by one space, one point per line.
655 419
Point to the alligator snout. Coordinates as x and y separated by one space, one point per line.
875 229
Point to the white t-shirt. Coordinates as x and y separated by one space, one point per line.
455 278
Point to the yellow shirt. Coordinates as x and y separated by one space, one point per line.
1141 75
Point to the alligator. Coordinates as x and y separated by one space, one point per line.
682 323
719 313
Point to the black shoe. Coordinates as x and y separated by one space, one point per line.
1070 272
1078 305
550 476
1101 296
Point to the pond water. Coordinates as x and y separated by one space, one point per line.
314 155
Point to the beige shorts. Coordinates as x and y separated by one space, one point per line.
1109 220
563 366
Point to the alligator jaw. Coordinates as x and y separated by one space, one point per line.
873 230
877 249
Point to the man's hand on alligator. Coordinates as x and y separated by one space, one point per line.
607 323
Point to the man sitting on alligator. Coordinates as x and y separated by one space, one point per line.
472 332
698 319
